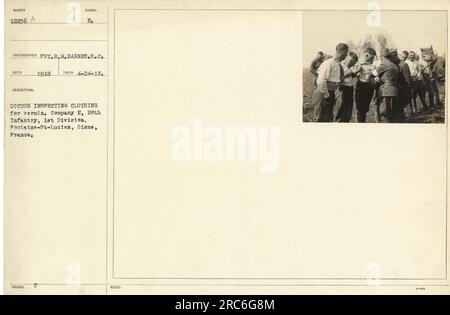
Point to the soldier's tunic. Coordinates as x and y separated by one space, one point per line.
426 75
404 88
437 68
388 92
315 64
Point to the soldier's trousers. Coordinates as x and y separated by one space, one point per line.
430 90
390 109
418 89
344 103
363 97
323 107
434 86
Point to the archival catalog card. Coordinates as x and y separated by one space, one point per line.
226 147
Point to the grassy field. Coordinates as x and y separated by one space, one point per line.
435 116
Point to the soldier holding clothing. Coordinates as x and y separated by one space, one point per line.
388 73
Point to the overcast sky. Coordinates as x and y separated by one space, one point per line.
409 30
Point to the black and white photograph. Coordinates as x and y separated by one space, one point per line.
374 67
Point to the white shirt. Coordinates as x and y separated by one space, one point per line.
413 67
425 66
348 75
375 66
329 71
365 71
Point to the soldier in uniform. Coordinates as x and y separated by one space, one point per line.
388 72
404 86
437 77
427 57
315 64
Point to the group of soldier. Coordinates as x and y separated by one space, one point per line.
392 83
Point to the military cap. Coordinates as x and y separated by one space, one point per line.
388 51
427 51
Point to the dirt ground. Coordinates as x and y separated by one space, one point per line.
435 116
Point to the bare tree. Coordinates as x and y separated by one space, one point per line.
382 40
368 42
378 42
351 45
